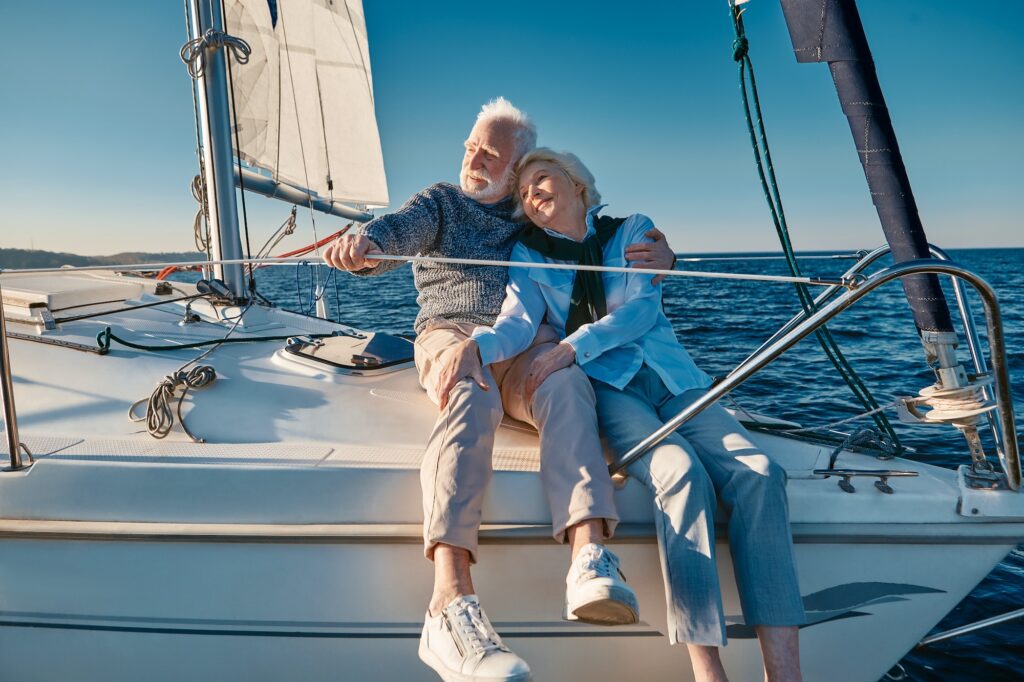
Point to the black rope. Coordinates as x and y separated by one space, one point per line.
772 195
238 157
114 311
105 337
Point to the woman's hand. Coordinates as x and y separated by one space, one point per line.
656 255
559 357
461 362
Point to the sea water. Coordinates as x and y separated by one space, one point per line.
722 321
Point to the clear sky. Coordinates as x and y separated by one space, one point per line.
98 131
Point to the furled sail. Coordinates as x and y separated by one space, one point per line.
304 101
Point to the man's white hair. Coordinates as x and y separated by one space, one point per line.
500 109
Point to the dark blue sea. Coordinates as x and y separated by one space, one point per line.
722 321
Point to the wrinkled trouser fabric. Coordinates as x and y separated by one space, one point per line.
708 455
457 467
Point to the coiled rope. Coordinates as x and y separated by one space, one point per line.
193 52
772 195
159 415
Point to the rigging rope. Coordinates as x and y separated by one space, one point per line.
202 219
193 52
772 195
201 236
238 155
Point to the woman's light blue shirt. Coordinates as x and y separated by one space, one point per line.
613 349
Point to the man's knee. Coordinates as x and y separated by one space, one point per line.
568 383
468 397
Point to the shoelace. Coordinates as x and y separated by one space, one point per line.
478 632
597 562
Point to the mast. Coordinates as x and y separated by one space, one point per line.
831 31
214 105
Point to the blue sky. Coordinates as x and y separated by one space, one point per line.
99 134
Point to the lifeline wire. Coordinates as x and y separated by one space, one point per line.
772 195
849 283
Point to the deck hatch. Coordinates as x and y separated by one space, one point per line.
356 354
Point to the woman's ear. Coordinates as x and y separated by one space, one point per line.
579 188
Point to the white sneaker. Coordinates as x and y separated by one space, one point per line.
461 646
596 591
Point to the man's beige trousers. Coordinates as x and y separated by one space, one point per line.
457 464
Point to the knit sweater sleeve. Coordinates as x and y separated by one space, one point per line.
408 231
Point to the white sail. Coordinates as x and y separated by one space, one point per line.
304 102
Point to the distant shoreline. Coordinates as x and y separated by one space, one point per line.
14 259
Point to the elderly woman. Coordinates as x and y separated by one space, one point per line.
613 327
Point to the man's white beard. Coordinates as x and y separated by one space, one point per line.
493 191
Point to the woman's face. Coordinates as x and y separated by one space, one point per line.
550 199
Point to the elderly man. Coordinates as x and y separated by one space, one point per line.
476 222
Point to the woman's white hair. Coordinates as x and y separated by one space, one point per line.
570 164
500 109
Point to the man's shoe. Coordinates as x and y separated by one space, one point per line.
461 646
596 591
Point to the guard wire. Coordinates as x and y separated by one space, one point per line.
770 187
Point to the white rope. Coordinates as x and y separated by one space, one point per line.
193 52
826 427
816 281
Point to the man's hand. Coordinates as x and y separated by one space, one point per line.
461 362
349 252
561 356
654 255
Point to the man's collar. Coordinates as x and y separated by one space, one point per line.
504 205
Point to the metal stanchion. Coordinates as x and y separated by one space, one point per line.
7 394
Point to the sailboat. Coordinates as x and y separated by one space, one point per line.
259 515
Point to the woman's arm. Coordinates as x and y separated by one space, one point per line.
512 333
520 316
634 318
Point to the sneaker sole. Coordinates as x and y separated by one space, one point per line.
619 608
447 675
606 612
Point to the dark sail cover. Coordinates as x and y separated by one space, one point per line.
831 31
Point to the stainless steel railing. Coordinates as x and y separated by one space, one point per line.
800 328
7 394
966 317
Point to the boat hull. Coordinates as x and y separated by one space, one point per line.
330 607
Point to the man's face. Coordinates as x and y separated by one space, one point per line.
487 165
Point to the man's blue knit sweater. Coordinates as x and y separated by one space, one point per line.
442 221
